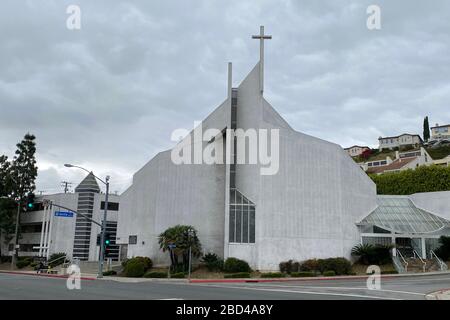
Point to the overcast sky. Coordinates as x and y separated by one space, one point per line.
108 96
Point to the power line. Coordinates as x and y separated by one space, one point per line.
66 185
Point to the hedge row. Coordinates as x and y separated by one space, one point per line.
423 179
339 266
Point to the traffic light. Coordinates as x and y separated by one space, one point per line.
107 239
30 202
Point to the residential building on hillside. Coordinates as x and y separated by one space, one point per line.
440 132
445 162
403 140
355 151
403 161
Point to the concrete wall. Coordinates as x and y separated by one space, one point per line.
164 194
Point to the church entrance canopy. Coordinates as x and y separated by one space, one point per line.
399 222
400 215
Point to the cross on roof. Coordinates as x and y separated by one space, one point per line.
261 38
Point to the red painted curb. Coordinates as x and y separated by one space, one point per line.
44 275
282 279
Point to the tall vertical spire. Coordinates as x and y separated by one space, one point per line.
261 38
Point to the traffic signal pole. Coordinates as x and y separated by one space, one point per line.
102 240
16 237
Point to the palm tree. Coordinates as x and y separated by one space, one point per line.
177 241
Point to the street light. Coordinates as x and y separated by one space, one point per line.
105 213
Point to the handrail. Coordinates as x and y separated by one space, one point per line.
442 265
404 260
49 262
421 260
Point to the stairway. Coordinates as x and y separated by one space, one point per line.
415 265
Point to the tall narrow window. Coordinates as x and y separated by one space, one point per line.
242 219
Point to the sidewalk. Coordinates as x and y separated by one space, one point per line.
442 295
84 276
439 295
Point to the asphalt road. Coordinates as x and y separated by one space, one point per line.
13 286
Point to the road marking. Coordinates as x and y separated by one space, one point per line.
171 299
345 288
305 292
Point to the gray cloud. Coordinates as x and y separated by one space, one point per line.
108 96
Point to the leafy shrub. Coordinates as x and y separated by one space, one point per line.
340 266
237 275
303 274
286 266
109 273
273 275
155 274
5 259
234 265
310 265
146 262
443 251
289 266
406 182
135 269
213 262
56 259
369 254
329 273
23 262
178 275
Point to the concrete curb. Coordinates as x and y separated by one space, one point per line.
29 273
443 294
249 280
138 280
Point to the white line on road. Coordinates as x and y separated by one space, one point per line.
304 292
344 288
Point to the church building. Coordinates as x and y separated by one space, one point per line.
310 204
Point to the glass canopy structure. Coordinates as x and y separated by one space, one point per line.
398 222
400 215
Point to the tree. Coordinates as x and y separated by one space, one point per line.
23 173
23 169
182 237
7 206
5 181
426 129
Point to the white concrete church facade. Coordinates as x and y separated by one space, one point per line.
308 209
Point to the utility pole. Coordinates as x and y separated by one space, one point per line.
66 185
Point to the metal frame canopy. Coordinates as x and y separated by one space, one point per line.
400 215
